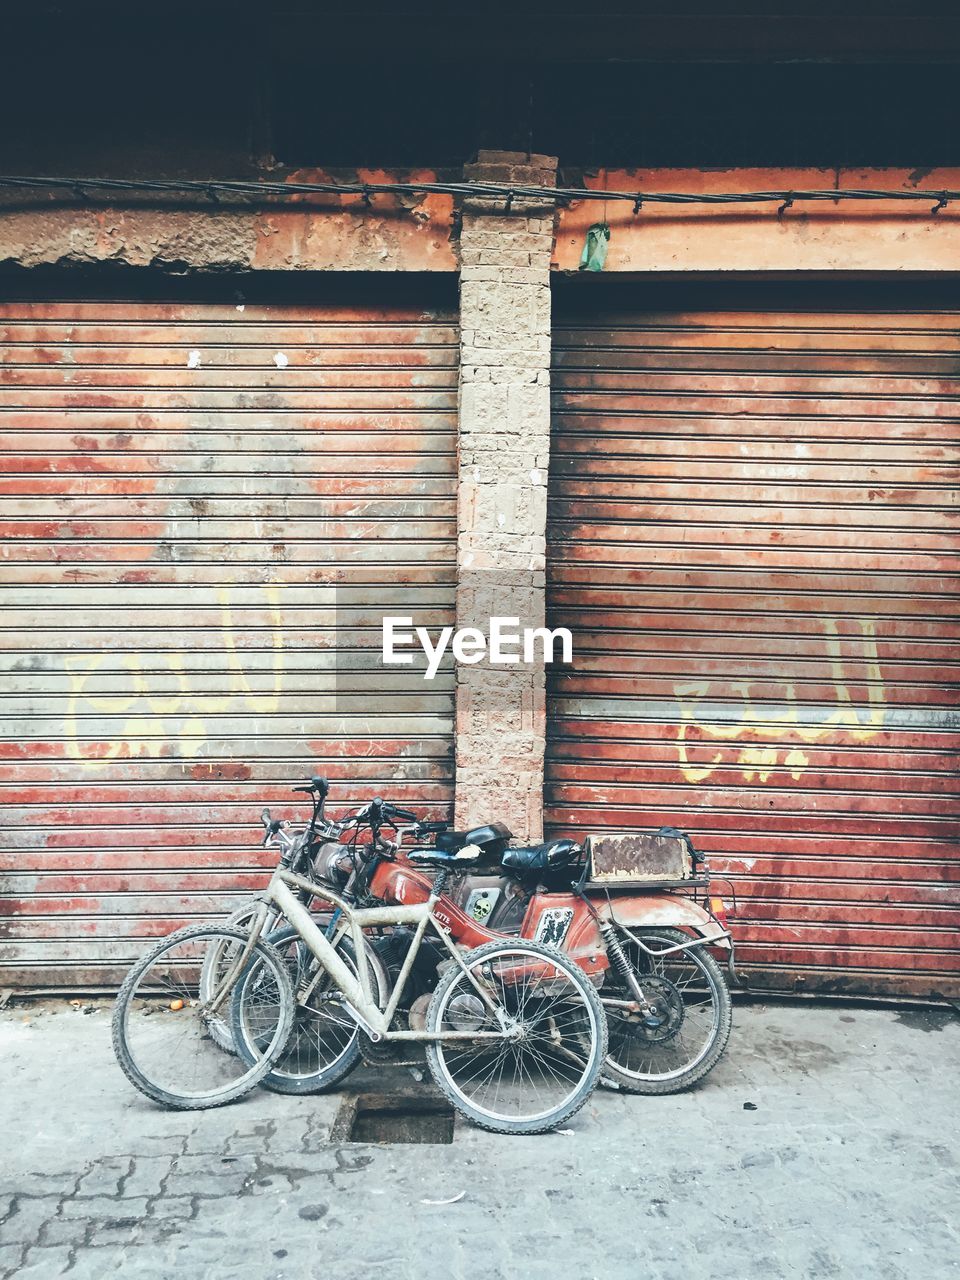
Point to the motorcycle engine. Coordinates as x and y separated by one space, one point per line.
466 1012
333 864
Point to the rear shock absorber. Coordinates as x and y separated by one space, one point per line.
618 958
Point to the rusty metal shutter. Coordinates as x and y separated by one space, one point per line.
753 535
208 506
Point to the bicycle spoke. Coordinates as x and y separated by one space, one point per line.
548 1048
164 1031
686 1023
324 1043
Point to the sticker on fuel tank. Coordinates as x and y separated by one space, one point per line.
553 925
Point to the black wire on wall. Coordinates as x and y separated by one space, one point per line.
215 191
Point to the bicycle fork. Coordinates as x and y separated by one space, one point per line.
303 922
238 966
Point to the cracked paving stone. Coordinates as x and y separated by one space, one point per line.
34 1183
214 1185
104 1179
102 1208
207 1162
10 1257
147 1176
61 1231
180 1208
46 1263
127 1231
26 1218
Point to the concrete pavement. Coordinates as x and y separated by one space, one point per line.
822 1145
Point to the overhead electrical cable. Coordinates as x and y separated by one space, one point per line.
218 190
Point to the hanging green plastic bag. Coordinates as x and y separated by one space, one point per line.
595 247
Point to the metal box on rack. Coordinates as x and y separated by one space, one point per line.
640 858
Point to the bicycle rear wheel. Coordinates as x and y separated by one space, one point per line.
162 1022
554 1037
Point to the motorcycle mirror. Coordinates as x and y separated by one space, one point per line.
265 818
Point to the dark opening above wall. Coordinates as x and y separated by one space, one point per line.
631 115
106 90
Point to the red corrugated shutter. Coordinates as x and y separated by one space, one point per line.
753 535
207 509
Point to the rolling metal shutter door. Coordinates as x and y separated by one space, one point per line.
208 507
753 537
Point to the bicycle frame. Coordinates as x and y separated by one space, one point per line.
358 990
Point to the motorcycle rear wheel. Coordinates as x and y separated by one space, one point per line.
692 997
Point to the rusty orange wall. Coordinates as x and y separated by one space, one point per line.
752 535
416 233
206 508
336 233
816 236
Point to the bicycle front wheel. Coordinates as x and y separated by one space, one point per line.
216 965
549 1038
163 1020
324 1045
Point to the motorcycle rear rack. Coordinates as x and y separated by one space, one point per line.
633 886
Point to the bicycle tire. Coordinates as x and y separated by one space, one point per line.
653 1085
284 1076
185 1100
240 918
541 1122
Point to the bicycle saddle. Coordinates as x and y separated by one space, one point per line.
443 859
527 860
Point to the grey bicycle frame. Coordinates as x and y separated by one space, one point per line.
357 990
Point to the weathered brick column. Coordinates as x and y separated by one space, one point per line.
504 456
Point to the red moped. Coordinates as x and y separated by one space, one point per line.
634 911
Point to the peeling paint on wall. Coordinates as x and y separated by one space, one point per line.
339 233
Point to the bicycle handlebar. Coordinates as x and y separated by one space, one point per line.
380 811
376 812
317 786
405 814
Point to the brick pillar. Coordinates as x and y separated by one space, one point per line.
504 455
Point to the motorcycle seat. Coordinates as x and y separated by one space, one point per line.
525 860
487 834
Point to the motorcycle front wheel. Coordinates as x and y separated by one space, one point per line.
683 1038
